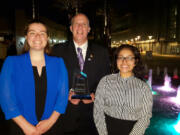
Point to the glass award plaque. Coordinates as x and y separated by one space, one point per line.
80 86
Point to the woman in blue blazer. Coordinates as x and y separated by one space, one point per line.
34 86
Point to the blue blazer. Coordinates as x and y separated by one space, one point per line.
17 87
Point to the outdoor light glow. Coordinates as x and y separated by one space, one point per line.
154 92
175 77
138 37
62 41
54 40
150 37
22 39
1 39
167 86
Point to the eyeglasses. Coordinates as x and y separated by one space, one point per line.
128 59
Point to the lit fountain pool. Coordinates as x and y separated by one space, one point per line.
166 109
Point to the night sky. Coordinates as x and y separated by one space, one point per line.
56 10
144 12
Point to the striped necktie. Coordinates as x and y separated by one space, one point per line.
80 58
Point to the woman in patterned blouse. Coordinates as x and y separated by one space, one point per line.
123 101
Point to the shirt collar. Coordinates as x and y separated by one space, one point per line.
83 46
124 79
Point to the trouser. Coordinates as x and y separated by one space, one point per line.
78 120
118 126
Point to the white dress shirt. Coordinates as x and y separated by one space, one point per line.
83 47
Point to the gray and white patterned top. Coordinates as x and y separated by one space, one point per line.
123 98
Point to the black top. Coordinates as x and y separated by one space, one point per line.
40 91
40 97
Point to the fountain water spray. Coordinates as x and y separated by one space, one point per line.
177 126
158 71
150 78
177 98
150 82
178 94
165 71
167 85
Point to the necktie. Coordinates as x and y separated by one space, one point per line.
80 57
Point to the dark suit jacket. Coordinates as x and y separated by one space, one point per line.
80 117
96 64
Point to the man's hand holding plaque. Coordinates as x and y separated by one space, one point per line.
85 101
73 101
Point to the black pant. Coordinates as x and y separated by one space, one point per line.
118 126
78 120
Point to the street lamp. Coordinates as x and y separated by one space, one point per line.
137 39
150 37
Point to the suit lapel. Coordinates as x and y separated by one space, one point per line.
89 57
73 56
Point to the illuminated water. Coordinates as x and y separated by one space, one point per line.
166 109
167 85
177 98
150 78
178 93
177 126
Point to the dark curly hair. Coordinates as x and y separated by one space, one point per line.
139 67
26 47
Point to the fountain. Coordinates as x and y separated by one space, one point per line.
167 85
165 71
150 82
177 98
166 102
177 126
158 71
178 94
146 71
150 78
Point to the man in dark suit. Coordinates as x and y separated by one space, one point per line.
78 119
